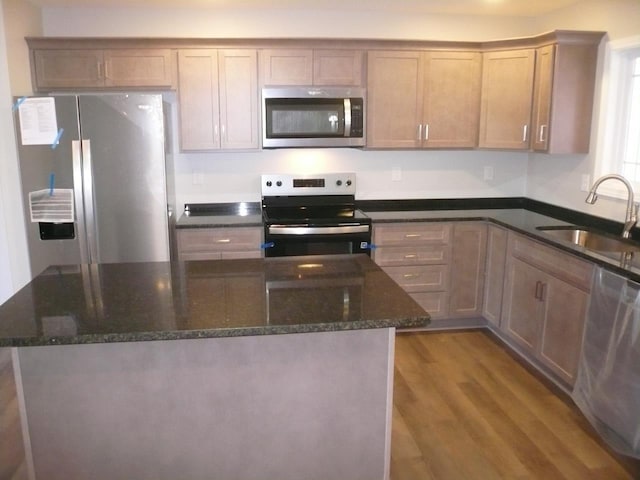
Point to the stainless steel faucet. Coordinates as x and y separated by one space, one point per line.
632 207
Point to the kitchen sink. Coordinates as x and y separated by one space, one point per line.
598 242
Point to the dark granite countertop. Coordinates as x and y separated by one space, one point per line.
525 222
202 299
519 214
243 214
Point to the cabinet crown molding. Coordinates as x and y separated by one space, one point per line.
556 36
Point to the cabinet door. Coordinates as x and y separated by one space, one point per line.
199 101
67 69
451 106
286 66
520 313
494 277
337 67
505 108
145 67
570 75
467 269
542 97
394 108
238 80
565 309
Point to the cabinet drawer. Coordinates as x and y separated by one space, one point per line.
435 303
425 278
555 262
209 240
412 255
411 233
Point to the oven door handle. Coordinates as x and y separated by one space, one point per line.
305 230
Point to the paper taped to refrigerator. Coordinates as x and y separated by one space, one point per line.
38 121
52 205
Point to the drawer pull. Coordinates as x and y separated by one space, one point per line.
411 255
223 240
411 275
412 235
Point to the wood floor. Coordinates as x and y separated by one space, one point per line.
464 408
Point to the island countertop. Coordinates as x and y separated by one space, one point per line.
204 299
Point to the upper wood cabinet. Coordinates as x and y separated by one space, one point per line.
218 95
394 99
299 66
125 67
507 89
531 93
423 99
563 94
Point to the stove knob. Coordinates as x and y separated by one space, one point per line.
339 182
348 183
279 183
269 183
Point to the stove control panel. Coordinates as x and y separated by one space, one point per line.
309 184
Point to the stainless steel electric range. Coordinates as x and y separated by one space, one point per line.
313 215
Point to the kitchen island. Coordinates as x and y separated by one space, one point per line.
253 369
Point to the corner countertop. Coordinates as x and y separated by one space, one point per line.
521 215
130 302
522 221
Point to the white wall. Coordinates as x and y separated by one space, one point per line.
222 177
556 178
234 176
17 18
268 23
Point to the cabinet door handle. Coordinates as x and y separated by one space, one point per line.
542 132
100 73
543 291
420 132
426 131
524 132
537 292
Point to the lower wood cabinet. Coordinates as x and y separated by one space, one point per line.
441 265
546 294
467 269
494 274
416 255
219 243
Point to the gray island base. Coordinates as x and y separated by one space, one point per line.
270 390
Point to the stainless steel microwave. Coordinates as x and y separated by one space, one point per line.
313 117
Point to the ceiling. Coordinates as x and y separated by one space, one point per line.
458 7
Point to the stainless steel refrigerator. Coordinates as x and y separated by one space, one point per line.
110 150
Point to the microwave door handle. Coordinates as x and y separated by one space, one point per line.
347 117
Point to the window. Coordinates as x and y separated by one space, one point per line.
630 138
619 145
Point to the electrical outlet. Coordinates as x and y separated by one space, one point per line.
585 182
488 172
396 174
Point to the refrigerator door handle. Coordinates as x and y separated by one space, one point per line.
89 206
76 156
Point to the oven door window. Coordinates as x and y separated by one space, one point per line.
304 118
